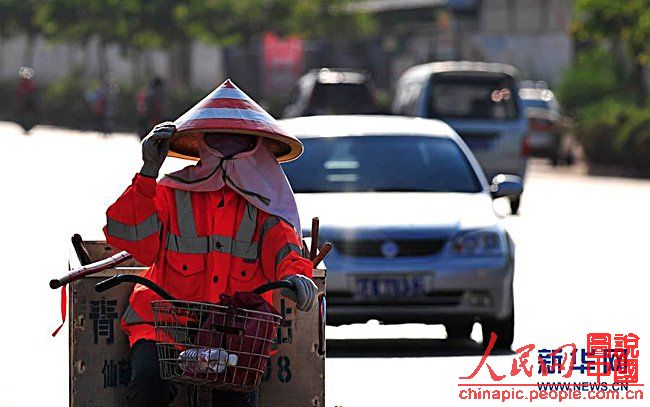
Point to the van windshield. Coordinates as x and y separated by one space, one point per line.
473 97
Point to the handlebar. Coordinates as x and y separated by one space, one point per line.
276 285
128 278
89 269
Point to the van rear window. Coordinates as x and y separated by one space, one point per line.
341 98
464 97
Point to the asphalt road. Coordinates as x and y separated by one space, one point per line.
582 266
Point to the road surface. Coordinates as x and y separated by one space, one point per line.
582 266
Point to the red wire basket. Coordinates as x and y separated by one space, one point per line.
224 346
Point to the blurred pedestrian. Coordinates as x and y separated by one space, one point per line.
141 112
25 99
156 101
150 105
102 102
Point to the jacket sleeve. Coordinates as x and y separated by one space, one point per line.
281 253
133 222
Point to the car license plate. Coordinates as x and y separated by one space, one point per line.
392 287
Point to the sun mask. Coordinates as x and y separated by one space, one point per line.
230 144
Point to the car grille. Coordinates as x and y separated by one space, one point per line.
405 247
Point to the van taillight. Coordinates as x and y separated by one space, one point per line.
525 147
540 125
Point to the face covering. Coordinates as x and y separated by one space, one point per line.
230 144
253 173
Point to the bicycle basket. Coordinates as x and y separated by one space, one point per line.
222 346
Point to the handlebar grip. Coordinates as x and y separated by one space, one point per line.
56 283
276 285
80 249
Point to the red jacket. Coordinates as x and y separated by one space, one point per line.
199 245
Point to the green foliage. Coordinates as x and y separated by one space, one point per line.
591 78
627 20
18 16
616 133
7 88
619 22
598 91
158 23
597 127
63 103
163 23
236 21
173 24
112 21
633 141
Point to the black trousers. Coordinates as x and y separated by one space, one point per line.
147 389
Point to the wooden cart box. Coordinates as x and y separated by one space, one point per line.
99 352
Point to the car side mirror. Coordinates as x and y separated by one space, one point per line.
506 185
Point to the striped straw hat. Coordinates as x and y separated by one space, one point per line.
228 109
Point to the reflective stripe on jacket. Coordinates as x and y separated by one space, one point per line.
199 245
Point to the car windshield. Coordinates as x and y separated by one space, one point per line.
382 163
341 98
465 97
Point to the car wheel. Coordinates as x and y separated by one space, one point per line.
514 204
504 328
459 330
555 161
570 158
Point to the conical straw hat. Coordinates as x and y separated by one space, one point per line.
228 109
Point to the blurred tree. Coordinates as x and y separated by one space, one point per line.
625 22
591 78
173 24
109 21
19 17
161 24
240 21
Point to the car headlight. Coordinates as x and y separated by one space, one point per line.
479 243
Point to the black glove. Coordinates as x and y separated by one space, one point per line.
155 147
304 294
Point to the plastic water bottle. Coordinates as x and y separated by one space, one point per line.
206 360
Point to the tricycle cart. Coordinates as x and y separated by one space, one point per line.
99 352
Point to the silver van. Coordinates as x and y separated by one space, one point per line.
480 101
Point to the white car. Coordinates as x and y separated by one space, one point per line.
409 213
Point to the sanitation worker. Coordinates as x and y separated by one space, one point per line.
228 223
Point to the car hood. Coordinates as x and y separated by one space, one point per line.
408 211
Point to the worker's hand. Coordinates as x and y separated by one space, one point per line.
155 147
304 294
